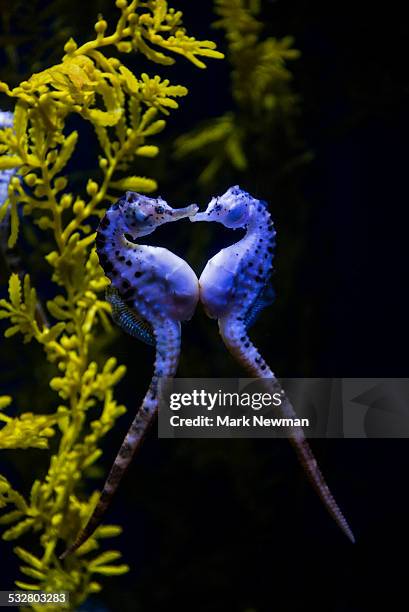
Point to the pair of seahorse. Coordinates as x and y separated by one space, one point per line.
153 290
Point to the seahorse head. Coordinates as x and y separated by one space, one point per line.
233 209
141 215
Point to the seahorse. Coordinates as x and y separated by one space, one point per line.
6 121
12 256
234 286
152 290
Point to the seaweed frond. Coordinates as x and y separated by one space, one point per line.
260 87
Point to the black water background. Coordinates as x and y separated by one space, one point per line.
233 525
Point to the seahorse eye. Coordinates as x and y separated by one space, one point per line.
140 216
159 210
235 213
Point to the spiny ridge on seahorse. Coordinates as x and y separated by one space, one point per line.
234 287
152 291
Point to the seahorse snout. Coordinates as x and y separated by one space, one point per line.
181 213
202 216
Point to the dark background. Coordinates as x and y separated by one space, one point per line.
233 526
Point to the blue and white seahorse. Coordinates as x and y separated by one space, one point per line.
11 256
152 291
234 287
6 121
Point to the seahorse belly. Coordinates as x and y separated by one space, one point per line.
180 283
218 282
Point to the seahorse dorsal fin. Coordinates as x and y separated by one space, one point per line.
265 298
127 319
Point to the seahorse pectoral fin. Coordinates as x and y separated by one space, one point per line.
265 298
127 319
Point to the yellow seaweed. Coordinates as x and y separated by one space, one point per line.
125 112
